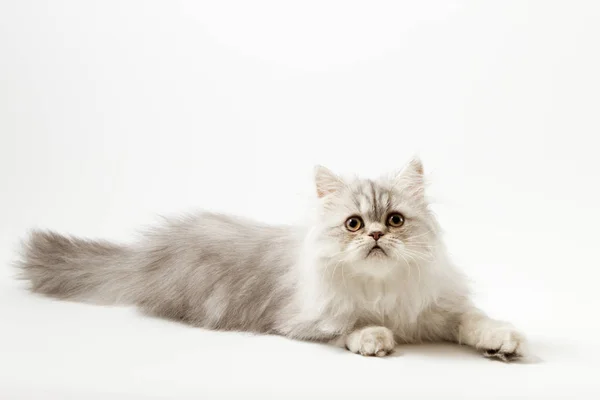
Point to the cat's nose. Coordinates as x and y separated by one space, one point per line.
376 235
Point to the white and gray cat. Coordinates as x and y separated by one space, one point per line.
369 273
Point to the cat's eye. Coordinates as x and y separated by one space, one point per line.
395 220
353 224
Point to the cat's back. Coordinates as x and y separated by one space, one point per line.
215 232
220 271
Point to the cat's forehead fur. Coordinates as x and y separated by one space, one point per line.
375 199
370 199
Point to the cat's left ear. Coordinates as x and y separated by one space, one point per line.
411 179
326 181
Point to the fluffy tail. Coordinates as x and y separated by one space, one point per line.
77 269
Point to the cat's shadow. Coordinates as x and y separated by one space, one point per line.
449 351
427 350
437 350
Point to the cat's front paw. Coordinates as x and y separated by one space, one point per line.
501 340
371 341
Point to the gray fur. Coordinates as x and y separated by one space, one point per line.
317 282
176 271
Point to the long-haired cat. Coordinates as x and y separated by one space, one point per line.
370 272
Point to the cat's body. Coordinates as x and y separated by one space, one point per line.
370 272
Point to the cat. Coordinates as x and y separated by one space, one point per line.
369 273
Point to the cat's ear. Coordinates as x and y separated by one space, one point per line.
326 181
411 179
415 166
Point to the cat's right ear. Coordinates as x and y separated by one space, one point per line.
326 181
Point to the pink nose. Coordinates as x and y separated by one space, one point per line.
376 235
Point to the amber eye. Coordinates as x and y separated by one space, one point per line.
353 224
395 220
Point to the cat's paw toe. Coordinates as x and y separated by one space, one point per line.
502 342
501 355
374 341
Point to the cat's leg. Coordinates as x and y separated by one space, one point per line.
494 338
370 341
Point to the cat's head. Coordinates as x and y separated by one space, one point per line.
374 226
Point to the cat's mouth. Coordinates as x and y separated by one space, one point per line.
376 250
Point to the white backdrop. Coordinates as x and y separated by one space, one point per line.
112 112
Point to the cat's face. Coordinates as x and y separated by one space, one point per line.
375 225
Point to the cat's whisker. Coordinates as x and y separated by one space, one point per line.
344 278
341 262
419 235
417 253
405 259
418 267
422 256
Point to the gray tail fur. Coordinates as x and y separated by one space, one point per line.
78 269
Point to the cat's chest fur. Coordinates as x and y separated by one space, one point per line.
395 302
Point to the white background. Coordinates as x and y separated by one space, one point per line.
112 112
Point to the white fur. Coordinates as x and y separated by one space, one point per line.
412 294
326 282
371 341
